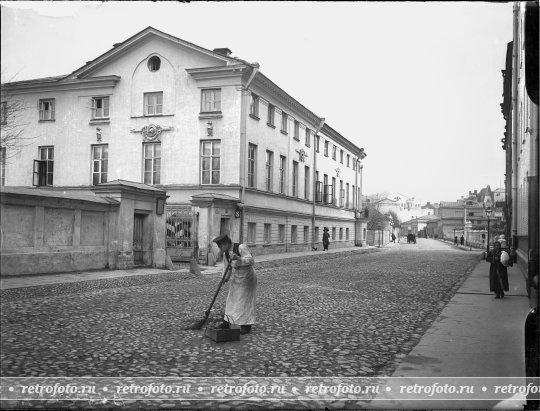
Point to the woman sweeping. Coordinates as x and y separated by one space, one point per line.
498 274
240 305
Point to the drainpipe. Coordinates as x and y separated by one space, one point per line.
515 113
356 164
314 174
243 144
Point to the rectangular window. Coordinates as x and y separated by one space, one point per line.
326 148
3 113
267 233
317 143
308 137
341 194
296 130
100 163
295 179
334 199
44 167
46 110
354 165
211 100
152 163
254 106
341 156
341 233
269 168
153 103
327 196
334 149
271 115
294 234
347 199
333 233
284 122
306 182
2 166
316 234
210 162
100 107
348 160
282 173
281 233
306 234
353 197
252 227
346 234
252 160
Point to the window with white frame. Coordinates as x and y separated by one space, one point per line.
295 179
281 233
282 173
334 198
296 130
100 163
347 233
316 234
326 148
271 115
341 156
210 162
317 143
252 165
284 120
333 233
44 167
306 182
251 232
267 233
100 107
211 100
348 160
153 103
308 138
334 149
341 233
269 168
46 110
347 194
152 163
254 105
306 234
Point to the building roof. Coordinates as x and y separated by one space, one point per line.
71 195
132 184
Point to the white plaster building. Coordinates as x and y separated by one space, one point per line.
234 152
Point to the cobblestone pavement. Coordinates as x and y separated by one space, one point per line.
348 315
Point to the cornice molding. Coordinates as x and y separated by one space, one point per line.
63 85
211 73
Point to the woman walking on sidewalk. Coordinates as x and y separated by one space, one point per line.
498 274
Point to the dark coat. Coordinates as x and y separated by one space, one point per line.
326 238
498 273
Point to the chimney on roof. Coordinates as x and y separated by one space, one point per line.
223 51
116 44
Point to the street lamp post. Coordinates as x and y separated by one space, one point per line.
488 214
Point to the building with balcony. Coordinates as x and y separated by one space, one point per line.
234 152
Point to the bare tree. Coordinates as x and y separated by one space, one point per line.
12 137
376 219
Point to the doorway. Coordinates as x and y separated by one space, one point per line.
138 236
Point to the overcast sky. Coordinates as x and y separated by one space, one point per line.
418 85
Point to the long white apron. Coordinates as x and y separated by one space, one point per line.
240 305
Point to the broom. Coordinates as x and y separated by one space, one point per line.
199 324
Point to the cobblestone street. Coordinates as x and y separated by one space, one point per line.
350 315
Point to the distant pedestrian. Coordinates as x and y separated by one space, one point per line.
462 240
393 238
498 274
455 240
325 239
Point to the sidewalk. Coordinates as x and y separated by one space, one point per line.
82 276
475 335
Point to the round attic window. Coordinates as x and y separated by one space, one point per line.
154 63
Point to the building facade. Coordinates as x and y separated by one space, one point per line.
234 152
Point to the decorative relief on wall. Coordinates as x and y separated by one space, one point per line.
152 132
302 154
338 171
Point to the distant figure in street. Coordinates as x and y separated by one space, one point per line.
455 240
393 238
325 239
240 305
498 274
462 240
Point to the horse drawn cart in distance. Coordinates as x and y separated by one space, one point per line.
411 238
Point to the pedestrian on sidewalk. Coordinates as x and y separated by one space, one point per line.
462 240
498 274
455 240
393 238
240 305
325 239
